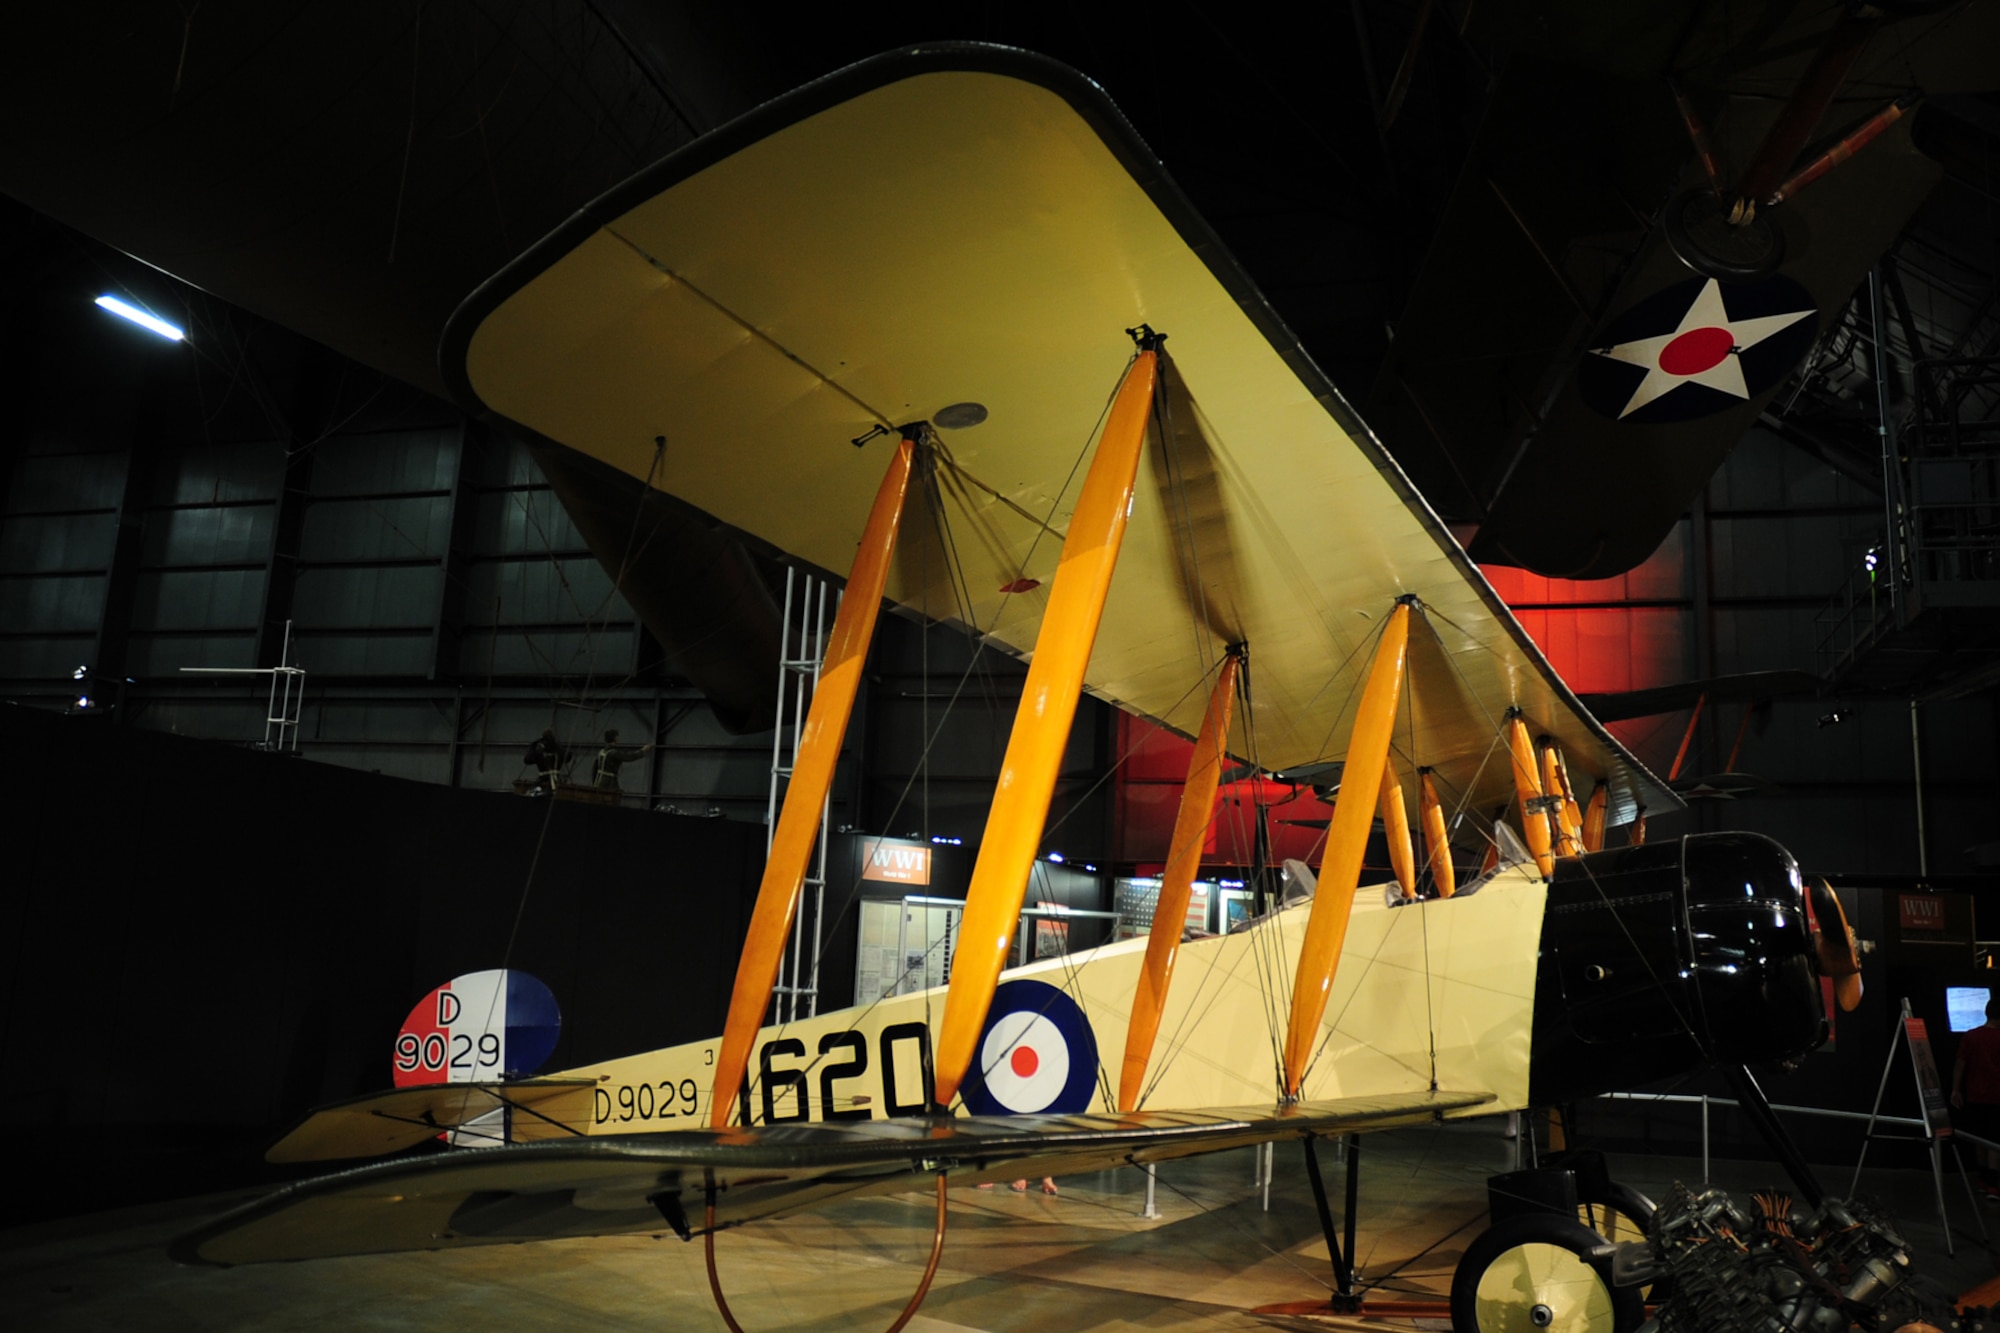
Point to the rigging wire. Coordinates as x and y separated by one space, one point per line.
1273 976
1424 917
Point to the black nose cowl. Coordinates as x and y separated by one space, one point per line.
1657 960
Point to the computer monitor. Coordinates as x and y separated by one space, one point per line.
1965 1006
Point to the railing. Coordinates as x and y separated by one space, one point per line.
1940 544
1859 614
1921 1133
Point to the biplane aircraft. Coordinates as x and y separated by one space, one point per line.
882 325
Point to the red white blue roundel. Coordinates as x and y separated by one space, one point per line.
1037 1054
1696 348
480 1027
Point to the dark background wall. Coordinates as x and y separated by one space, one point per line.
199 942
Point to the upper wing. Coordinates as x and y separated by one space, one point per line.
960 224
652 1182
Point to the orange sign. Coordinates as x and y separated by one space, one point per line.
897 862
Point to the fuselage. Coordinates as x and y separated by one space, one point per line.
1628 966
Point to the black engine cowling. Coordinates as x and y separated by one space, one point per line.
1656 960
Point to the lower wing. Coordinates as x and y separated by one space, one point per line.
636 1183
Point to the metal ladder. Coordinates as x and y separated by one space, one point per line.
801 648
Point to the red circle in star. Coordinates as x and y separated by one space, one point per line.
1025 1062
1697 350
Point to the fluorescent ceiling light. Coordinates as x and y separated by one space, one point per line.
141 318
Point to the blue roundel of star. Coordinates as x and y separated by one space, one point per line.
1037 1054
1697 348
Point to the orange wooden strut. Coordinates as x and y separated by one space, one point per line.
1346 840
1593 819
1568 836
1572 813
1396 829
1687 737
1041 726
1528 786
812 776
1183 859
1437 843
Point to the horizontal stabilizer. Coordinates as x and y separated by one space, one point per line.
637 1183
386 1122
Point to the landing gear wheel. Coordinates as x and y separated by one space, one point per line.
1540 1271
1703 238
1618 1203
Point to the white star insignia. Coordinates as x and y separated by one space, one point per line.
1703 349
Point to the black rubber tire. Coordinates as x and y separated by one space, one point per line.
1499 1244
1638 1209
1627 1202
1703 240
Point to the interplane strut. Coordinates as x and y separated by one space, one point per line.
1183 860
812 776
1346 840
1041 726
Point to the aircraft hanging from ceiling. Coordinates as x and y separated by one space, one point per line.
1667 204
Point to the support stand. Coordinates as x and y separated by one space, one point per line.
1911 1031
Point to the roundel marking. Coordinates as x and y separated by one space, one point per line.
1696 348
1037 1054
479 1027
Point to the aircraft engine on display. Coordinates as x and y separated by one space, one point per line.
1841 1266
1659 959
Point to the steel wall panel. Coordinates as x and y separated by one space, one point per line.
361 719
606 654
743 775
501 461
45 483
32 543
1780 556
541 592
220 535
199 599
53 603
530 523
200 473
386 463
157 655
333 654
367 596
412 528
47 657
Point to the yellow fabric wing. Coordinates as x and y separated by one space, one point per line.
952 225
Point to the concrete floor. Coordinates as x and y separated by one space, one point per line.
1083 1260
